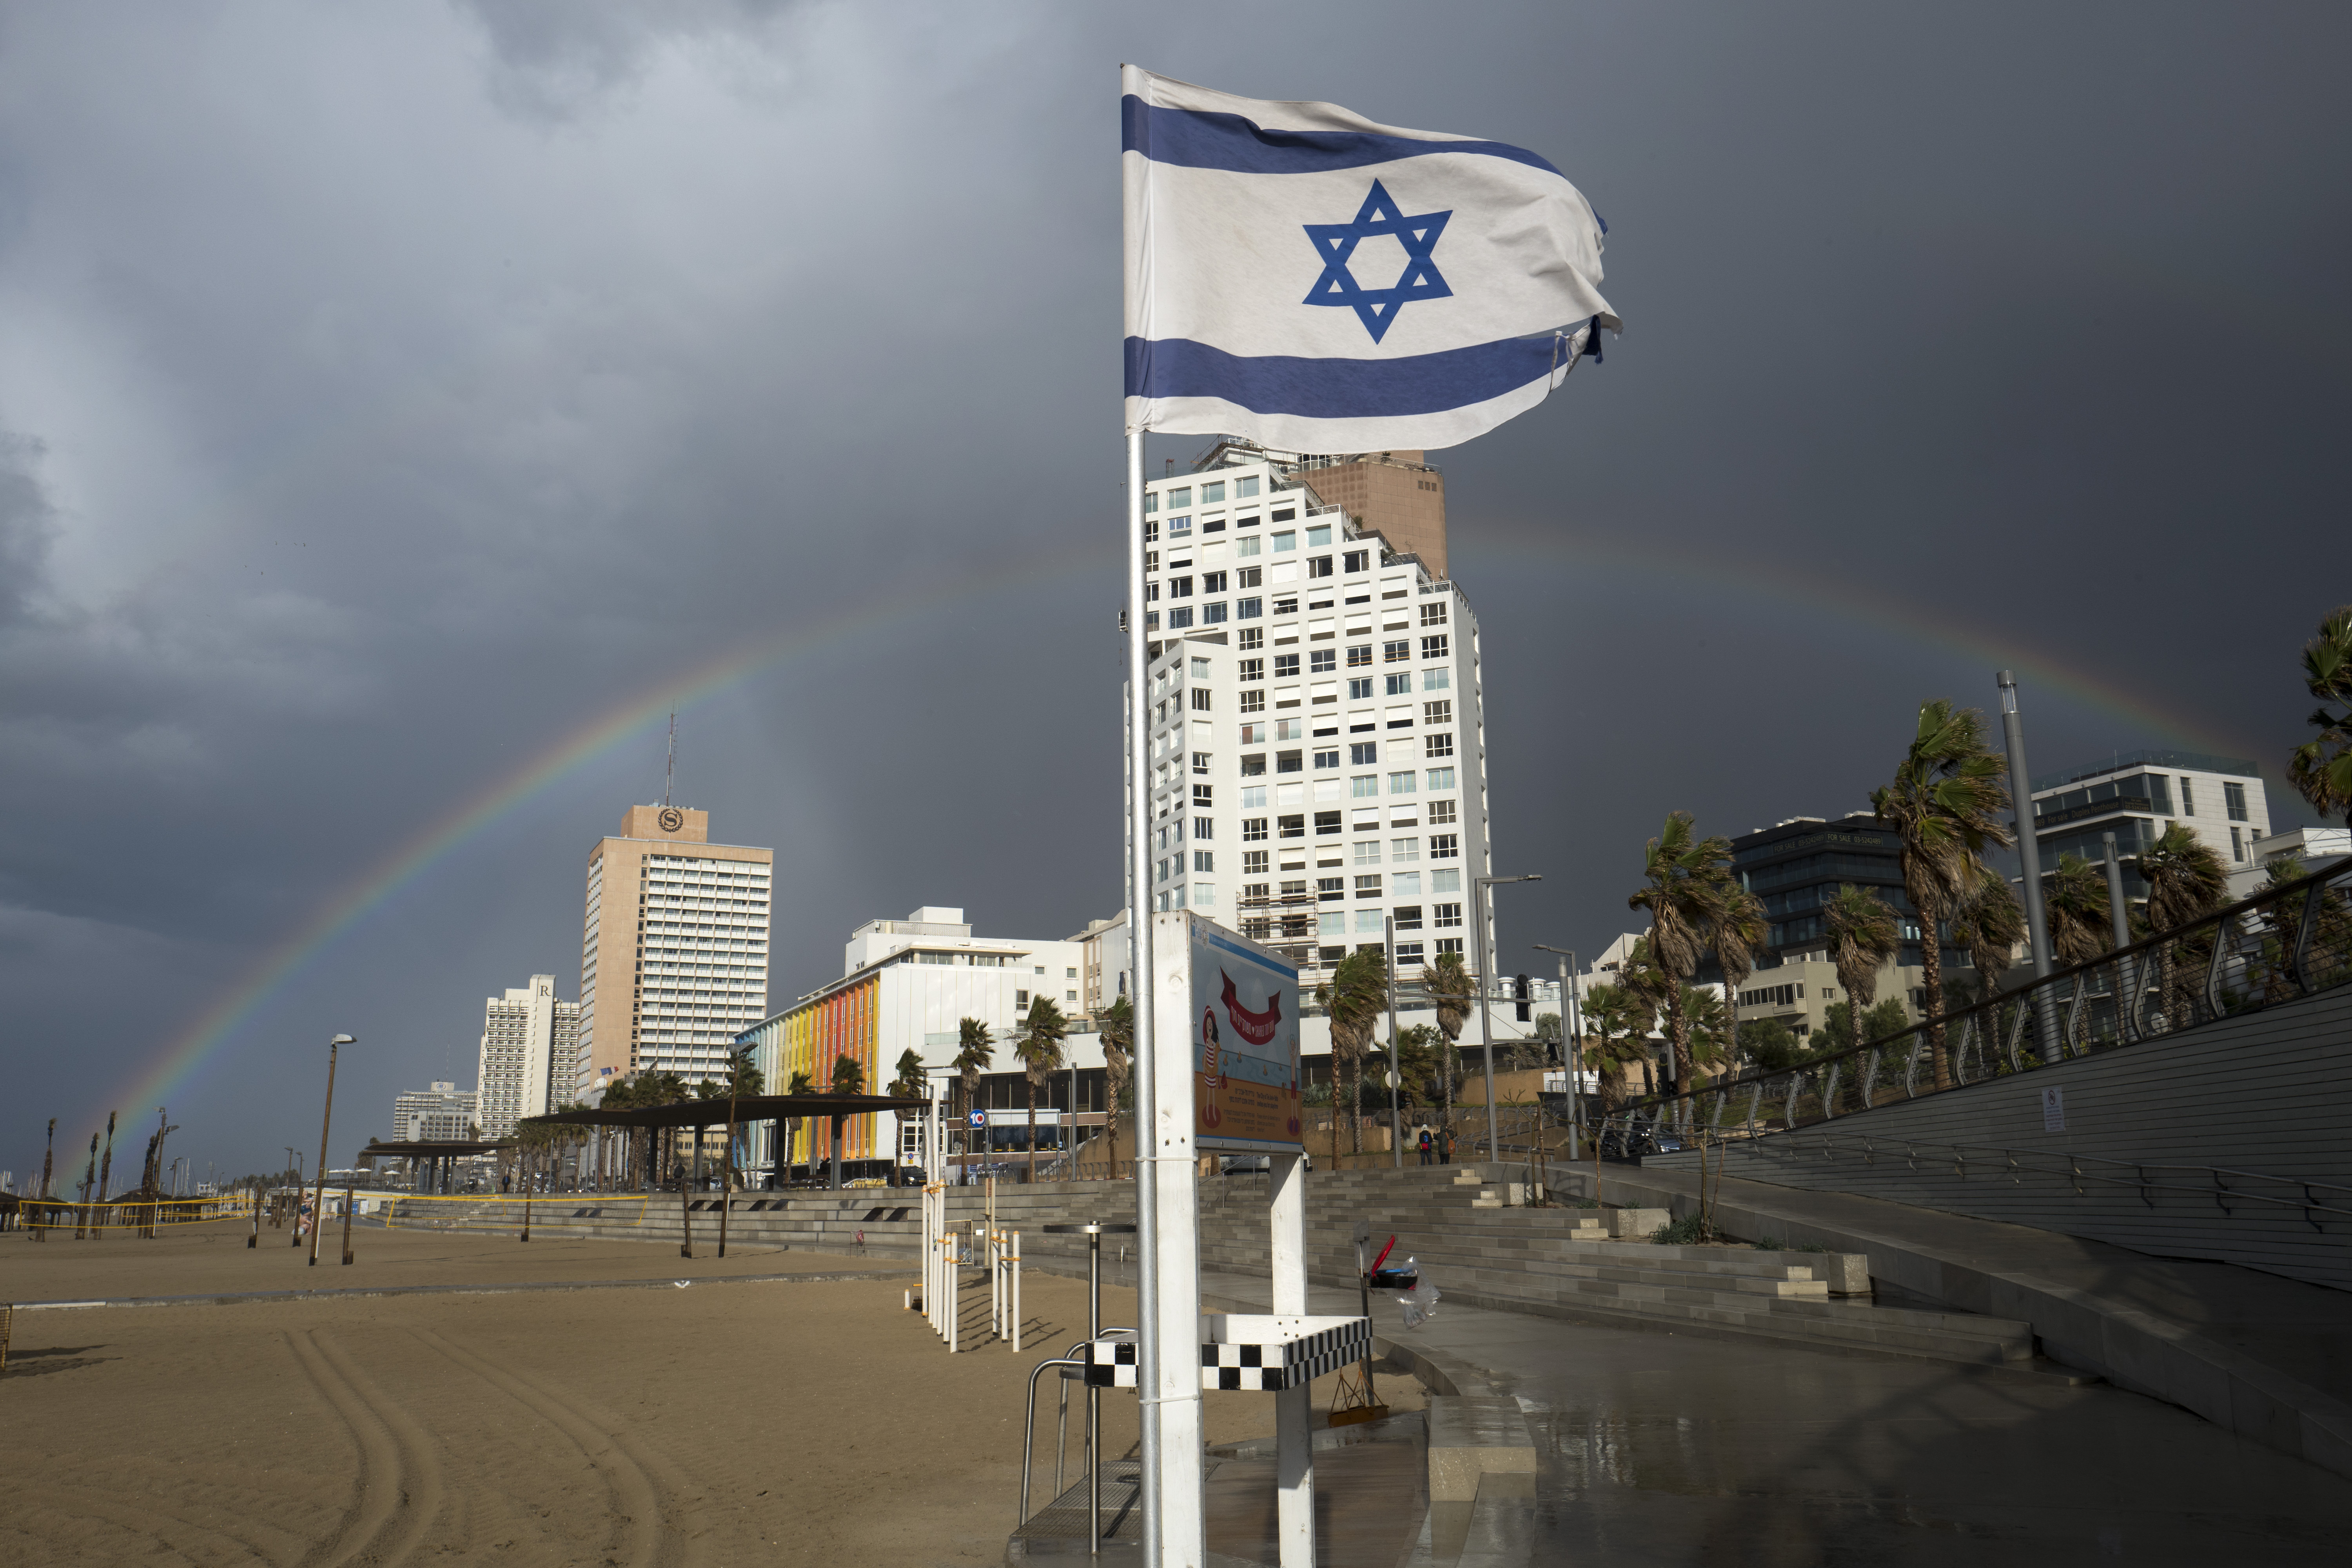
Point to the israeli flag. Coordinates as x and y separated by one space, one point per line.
1303 278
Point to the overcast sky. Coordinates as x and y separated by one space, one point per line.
392 396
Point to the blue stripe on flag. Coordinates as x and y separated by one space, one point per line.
1336 388
1197 139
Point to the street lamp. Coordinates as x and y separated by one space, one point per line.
1479 886
319 1204
1572 1036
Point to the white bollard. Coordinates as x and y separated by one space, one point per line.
1016 1290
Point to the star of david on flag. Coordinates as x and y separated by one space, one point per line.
1464 290
1337 242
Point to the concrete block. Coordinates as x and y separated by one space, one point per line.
1471 1436
1638 1224
1848 1273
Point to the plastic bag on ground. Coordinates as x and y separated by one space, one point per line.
1420 1303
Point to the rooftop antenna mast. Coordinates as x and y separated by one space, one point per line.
669 764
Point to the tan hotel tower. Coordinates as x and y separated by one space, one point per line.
674 951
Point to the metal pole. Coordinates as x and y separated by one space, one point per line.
1396 1058
2029 847
326 1121
1486 1019
347 1225
1571 1030
2118 912
1139 942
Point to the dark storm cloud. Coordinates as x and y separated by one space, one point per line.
395 392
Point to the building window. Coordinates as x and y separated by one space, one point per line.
1430 712
1286 539
1151 528
1205 859
1445 881
1205 896
1213 614
1200 670
1437 679
1253 798
1178 526
1446 944
1444 846
1212 491
2233 797
1291 827
1329 889
1150 502
1250 576
2237 843
1409 917
1252 734
1405 850
1369 886
1289 761
1360 688
1368 851
1244 488
1326 822
1433 613
1401 685
1253 860
1390 652
1251 669
1212 582
1318 533
1254 702
1432 647
1401 782
1437 745
1285 667
1250 638
1408 952
1359 656
1254 828
1179 617
1364 787
1201 699
1205 827
1201 794
1357 561
1322 661
1253 766
1327 759
1441 812
1441 778
1180 587
2188 797
1363 754
1200 762
1445 917
1246 548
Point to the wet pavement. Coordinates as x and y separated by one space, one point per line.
1664 1448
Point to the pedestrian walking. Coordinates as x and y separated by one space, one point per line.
1428 1154
1446 1145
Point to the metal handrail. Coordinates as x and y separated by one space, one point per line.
2251 959
1029 1424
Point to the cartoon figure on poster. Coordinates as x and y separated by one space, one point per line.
1246 1049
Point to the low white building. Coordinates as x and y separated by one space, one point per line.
906 985
440 1114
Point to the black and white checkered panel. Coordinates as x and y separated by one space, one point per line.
1289 1364
1111 1364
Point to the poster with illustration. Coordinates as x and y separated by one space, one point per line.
1245 1045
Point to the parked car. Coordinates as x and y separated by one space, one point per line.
1622 1142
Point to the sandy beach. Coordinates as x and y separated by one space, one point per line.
727 1419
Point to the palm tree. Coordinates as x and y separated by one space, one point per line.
1353 999
1118 1068
1039 1046
849 1077
2321 768
799 1083
974 1054
2185 883
1687 888
2082 923
1862 936
1990 924
1448 985
1619 1023
1739 930
1943 806
1644 984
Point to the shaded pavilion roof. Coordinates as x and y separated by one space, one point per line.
434 1148
714 1112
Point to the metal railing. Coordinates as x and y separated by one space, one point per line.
2282 945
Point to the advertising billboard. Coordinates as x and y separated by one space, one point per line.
1245 1030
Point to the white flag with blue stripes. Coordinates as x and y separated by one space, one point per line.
1303 278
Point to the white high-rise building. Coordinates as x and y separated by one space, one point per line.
673 949
530 1039
441 1114
1317 743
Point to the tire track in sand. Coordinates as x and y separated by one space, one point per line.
400 1475
650 1495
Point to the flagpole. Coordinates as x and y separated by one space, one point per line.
1138 968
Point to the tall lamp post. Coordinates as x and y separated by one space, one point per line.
319 1204
1571 1038
1479 886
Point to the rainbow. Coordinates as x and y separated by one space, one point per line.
209 1034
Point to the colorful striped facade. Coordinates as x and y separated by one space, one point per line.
809 1039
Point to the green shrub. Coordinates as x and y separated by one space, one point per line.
1683 1232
